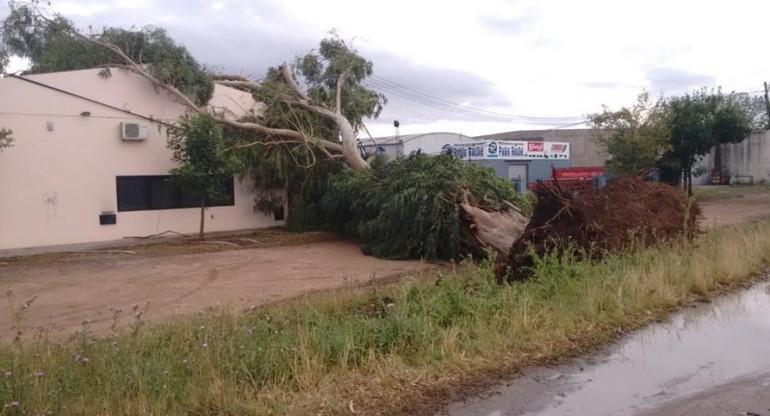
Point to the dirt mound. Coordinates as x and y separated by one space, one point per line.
627 211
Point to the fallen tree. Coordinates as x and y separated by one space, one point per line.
627 212
313 111
433 207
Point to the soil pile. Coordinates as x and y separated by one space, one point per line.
627 211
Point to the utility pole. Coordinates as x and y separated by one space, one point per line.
767 105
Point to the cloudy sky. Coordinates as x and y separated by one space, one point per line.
482 66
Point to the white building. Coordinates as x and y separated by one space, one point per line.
89 151
404 145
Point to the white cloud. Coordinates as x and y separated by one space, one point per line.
525 57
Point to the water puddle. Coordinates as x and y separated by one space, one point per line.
697 350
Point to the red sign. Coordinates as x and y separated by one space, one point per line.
535 146
559 148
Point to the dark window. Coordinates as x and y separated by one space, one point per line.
140 193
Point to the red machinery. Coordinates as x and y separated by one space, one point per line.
576 179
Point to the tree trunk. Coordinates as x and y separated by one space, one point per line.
689 181
203 217
349 144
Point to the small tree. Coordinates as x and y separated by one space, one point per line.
698 122
5 139
635 137
203 162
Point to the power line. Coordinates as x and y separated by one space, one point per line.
406 90
461 109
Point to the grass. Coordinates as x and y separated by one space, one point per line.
723 192
385 350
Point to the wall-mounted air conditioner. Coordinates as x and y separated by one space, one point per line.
133 131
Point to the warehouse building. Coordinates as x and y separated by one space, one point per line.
522 162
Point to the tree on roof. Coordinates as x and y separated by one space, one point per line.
322 118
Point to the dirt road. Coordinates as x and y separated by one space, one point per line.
70 291
726 205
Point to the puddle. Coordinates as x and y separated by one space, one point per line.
697 350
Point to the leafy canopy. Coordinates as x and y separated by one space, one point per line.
635 137
702 120
301 169
52 45
410 208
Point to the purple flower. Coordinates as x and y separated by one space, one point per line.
12 404
39 373
84 360
7 375
205 345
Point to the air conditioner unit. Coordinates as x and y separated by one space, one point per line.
133 131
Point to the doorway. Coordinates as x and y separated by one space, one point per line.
518 175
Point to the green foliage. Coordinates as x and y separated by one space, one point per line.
200 152
6 140
321 70
51 46
4 60
700 121
635 137
301 169
410 208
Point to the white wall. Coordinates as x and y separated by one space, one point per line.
431 143
54 184
750 157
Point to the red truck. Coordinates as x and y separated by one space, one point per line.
576 179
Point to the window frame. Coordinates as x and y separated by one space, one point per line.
177 194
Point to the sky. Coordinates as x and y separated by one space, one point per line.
482 66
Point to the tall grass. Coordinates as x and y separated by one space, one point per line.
381 350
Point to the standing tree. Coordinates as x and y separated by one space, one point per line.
698 122
635 137
203 163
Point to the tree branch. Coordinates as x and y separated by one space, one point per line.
289 78
247 85
229 77
340 81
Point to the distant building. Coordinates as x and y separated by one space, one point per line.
521 161
585 150
89 161
404 145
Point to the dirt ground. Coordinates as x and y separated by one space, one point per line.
724 205
185 277
70 289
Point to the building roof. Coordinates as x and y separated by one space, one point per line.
128 92
409 137
548 135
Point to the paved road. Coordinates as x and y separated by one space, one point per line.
706 361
